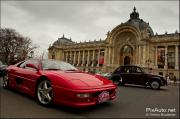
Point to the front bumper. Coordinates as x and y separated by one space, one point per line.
69 98
86 103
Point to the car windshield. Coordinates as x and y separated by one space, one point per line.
57 65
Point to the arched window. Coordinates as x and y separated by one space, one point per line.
127 50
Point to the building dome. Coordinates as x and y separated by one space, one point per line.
139 23
63 40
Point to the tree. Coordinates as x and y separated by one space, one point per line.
13 46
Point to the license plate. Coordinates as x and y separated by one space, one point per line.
103 97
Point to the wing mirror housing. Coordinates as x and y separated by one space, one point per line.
32 66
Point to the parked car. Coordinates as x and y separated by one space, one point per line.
52 81
2 69
131 74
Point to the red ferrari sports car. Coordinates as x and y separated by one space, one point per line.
52 81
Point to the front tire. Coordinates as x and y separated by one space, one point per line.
155 85
44 93
5 81
117 80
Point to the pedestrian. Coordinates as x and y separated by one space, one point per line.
174 78
167 77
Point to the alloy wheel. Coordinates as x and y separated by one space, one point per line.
44 92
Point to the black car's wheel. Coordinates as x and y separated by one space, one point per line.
155 85
44 93
5 81
117 80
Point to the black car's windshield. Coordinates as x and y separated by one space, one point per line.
57 65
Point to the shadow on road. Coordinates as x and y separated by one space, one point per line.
82 110
143 88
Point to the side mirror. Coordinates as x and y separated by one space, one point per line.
32 66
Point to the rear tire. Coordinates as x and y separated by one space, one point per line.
155 85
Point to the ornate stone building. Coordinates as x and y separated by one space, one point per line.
132 42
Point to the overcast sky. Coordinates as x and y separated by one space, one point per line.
45 21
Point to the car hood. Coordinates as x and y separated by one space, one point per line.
82 80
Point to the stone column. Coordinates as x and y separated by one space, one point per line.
67 54
106 56
112 51
93 58
83 58
71 60
64 59
98 56
79 58
110 56
74 57
144 55
166 58
156 54
136 54
88 58
176 57
139 55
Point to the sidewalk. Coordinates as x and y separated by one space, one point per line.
172 83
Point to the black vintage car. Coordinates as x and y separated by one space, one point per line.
2 69
131 74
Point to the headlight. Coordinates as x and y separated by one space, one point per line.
83 95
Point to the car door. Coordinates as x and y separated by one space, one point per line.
136 75
26 77
125 73
12 74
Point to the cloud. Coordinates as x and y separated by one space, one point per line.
45 21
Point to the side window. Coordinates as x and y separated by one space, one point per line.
19 64
138 70
133 70
23 65
126 70
117 70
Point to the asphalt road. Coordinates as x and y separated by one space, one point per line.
131 102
